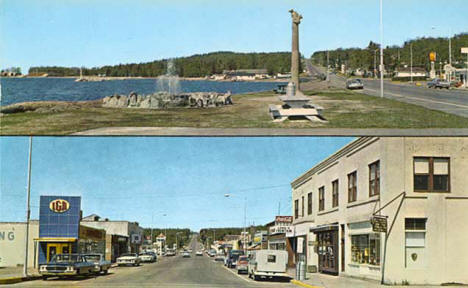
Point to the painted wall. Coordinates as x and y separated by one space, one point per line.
12 243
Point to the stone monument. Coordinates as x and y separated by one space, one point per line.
295 104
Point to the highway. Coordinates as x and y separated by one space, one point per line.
196 271
450 101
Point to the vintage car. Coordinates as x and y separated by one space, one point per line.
101 265
186 254
64 265
354 84
128 259
199 253
231 259
268 264
242 264
148 256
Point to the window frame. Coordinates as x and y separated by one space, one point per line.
376 181
303 206
352 191
430 184
321 198
335 193
296 208
309 203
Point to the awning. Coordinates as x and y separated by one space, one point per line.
55 239
322 228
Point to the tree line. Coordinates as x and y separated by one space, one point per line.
199 65
217 234
182 237
397 56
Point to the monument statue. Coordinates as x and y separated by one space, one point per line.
295 58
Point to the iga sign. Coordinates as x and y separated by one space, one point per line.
59 205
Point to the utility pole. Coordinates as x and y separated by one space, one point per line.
381 49
328 65
450 48
28 211
375 63
411 62
245 221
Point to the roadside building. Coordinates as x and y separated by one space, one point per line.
391 208
12 243
405 73
161 243
121 236
277 239
246 74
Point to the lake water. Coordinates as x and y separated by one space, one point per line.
15 90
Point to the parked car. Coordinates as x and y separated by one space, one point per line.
219 257
231 259
128 259
65 265
242 264
212 253
354 84
170 253
186 254
267 264
199 253
101 265
148 257
438 83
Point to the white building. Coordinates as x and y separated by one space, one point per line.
418 184
406 73
12 243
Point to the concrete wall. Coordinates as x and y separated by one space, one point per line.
12 245
445 256
111 227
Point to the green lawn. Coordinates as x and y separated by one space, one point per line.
342 109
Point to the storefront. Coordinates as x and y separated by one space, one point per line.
327 248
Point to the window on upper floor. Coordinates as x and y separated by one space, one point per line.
335 193
322 198
296 208
309 203
352 186
302 206
431 174
374 179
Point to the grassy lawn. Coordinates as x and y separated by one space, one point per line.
342 109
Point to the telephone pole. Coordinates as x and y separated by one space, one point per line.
28 211
381 50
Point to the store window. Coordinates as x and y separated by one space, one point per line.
352 187
365 249
374 179
431 174
296 208
335 193
309 203
322 198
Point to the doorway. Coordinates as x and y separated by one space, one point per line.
328 251
57 248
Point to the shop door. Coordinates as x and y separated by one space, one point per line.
57 248
328 251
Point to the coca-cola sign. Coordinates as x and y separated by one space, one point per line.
284 219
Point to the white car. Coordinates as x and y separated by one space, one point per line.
354 84
186 254
199 253
148 257
128 259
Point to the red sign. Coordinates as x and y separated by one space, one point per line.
287 219
59 205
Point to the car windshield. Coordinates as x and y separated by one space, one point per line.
243 258
66 258
93 258
129 255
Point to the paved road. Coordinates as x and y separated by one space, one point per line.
450 101
196 271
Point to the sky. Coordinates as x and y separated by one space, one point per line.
107 32
144 178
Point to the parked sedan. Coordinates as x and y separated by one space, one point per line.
101 265
186 254
438 83
128 259
354 84
219 257
148 257
199 253
242 264
65 265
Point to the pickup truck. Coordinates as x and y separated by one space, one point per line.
438 83
268 264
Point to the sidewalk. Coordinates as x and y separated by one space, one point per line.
10 275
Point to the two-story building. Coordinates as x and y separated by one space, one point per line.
393 208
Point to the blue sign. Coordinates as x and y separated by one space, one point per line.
59 216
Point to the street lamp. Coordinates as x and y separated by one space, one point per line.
381 49
245 220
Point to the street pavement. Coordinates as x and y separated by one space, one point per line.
196 271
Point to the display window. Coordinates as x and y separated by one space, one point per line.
365 249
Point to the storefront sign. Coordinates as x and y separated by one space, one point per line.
59 205
7 235
136 239
284 219
280 229
379 224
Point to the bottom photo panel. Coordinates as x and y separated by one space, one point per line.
233 211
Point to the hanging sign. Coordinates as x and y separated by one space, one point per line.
379 223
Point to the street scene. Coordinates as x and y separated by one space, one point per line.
298 69
275 211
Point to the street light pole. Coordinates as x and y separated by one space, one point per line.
411 62
28 211
245 223
381 49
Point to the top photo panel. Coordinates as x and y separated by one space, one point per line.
372 67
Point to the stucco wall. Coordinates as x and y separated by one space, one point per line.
12 243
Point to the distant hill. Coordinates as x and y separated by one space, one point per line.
199 65
397 56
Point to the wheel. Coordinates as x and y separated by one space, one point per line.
256 277
106 271
44 278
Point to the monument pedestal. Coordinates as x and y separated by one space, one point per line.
296 107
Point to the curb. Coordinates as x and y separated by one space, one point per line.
302 284
13 280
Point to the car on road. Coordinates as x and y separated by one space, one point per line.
199 253
211 253
438 83
268 264
231 259
219 257
101 265
186 254
354 84
242 264
66 265
148 257
170 253
128 259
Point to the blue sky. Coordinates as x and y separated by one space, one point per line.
98 32
140 178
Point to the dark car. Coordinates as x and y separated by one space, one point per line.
232 257
65 265
101 265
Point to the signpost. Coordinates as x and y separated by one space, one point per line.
464 50
379 223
